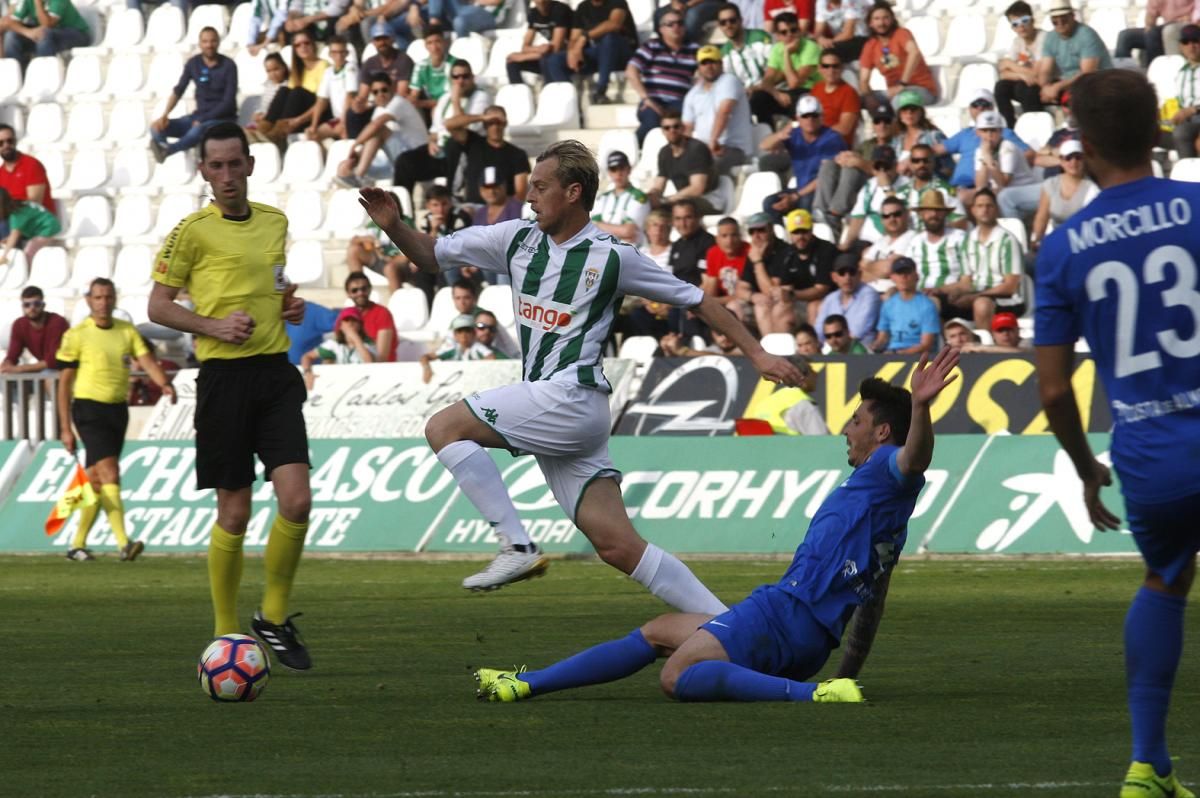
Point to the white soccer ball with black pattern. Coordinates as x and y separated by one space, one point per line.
234 668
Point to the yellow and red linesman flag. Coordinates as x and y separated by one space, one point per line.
78 494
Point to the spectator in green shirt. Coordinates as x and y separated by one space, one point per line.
30 226
786 78
43 27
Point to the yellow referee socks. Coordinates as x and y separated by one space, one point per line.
87 517
224 578
110 500
284 546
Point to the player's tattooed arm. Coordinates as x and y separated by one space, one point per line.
860 634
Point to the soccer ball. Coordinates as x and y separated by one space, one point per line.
234 668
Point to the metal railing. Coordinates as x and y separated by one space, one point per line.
30 410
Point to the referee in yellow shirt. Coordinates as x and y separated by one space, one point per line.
93 358
230 258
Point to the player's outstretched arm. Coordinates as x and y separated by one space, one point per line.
928 380
1054 365
384 209
771 367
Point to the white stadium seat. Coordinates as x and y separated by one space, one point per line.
338 152
131 273
1035 128
758 186
557 107
783 344
90 262
1017 228
499 300
131 168
89 216
647 163
251 73
125 30
85 123
132 217
304 211
639 348
441 312
966 37
126 76
56 168
410 309
43 79
971 78
496 72
517 101
306 263
345 217
13 115
127 123
45 124
15 274
928 33
615 140
89 171
10 78
85 75
211 16
172 209
1186 170
1163 72
473 49
1108 23
239 24
266 164
49 270
177 173
303 163
163 73
165 29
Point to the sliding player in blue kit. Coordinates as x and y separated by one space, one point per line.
764 648
1122 273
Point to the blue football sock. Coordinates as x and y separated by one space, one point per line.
724 681
1153 646
606 662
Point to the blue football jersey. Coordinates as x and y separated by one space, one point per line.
1122 273
856 536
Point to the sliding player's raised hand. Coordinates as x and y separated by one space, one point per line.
929 379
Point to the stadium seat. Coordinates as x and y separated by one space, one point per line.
345 218
15 116
89 216
557 107
266 164
441 312
163 73
45 124
416 51
823 232
264 197
304 211
499 300
947 118
1108 23
302 165
56 168
85 123
1017 228
410 309
783 344
1186 170
643 17
85 76
15 274
338 151
615 140
966 38
473 49
496 72
49 270
970 79
239 24
125 79
127 123
137 305
90 262
1163 72
131 272
177 174
124 31
89 171
10 79
164 30
638 348
726 191
517 101
211 16
1035 128
647 164
131 168
172 209
928 33
758 186
251 73
306 263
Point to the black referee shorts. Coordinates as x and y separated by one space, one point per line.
101 427
245 407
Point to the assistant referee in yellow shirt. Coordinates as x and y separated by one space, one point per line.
93 359
230 258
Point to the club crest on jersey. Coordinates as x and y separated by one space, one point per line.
590 276
543 314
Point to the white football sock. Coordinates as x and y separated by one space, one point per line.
665 576
480 481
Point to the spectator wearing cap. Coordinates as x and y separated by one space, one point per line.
688 164
1018 76
841 25
1063 194
893 51
215 78
377 320
37 331
717 111
548 24
908 320
42 28
22 175
965 142
938 251
622 209
884 182
923 178
1001 166
465 346
387 58
395 127
840 177
854 302
806 145
336 94
959 335
1006 334
498 206
724 267
349 344
916 128
876 261
786 280
791 70
602 39
840 103
661 72
992 270
745 50
1185 121
1149 38
1070 50
838 340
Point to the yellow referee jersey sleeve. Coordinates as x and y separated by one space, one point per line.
227 265
102 357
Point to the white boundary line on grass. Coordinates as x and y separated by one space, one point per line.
958 489
836 789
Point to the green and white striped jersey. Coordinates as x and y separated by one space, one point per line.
565 296
939 263
628 206
989 263
750 62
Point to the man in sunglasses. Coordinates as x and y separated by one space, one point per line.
877 259
1186 120
717 112
688 164
37 331
661 72
377 319
791 70
965 142
884 182
1070 50
840 103
1018 67
22 175
854 302
924 178
838 340
745 50
395 127
807 145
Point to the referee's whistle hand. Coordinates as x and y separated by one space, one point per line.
236 328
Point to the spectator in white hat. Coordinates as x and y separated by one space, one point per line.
999 164
965 142
807 144
1064 193
1018 66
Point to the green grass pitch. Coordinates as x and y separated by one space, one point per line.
991 679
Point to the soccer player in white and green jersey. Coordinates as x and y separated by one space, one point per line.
568 280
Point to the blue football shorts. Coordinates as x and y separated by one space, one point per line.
773 632
1167 534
